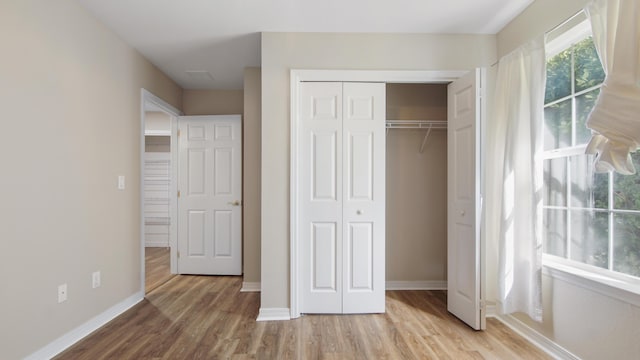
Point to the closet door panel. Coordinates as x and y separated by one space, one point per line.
360 107
323 257
360 257
463 243
363 197
324 166
320 191
360 166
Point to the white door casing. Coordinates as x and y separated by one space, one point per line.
151 101
210 195
342 202
463 244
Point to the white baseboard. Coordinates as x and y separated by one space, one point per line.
156 244
544 343
250 287
274 314
417 285
62 343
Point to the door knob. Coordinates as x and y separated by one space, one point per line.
462 212
234 203
359 212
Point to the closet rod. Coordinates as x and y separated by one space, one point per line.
416 124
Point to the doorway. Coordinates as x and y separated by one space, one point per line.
157 191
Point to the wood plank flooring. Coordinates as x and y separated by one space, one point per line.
207 317
156 267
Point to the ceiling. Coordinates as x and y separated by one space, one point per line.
206 44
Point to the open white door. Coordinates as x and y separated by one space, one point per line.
210 195
463 248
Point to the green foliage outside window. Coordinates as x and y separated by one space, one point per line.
580 222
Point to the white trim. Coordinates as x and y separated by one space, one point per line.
273 314
173 196
385 76
65 341
417 285
570 37
159 102
625 290
544 343
251 287
293 196
298 76
150 101
157 133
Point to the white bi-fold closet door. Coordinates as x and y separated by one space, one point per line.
342 197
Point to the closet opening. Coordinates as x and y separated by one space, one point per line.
416 186
432 189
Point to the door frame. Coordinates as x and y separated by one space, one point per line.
298 76
148 99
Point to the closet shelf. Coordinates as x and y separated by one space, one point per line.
416 124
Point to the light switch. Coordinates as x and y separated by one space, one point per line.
121 182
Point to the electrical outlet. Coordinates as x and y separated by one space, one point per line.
95 279
62 293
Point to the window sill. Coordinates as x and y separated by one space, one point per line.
620 288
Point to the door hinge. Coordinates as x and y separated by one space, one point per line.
178 254
482 305
178 193
178 132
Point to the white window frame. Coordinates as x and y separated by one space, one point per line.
605 281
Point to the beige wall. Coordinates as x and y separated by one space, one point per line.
416 217
247 103
70 99
212 102
156 121
251 175
540 17
282 52
590 324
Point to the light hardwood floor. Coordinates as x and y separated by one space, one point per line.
156 267
207 317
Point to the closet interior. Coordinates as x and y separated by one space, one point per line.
416 185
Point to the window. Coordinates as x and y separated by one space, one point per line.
589 218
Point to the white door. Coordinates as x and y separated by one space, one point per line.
363 194
320 119
341 181
463 249
209 195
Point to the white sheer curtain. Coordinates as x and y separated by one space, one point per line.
615 119
516 175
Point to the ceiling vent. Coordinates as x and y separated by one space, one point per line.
199 75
